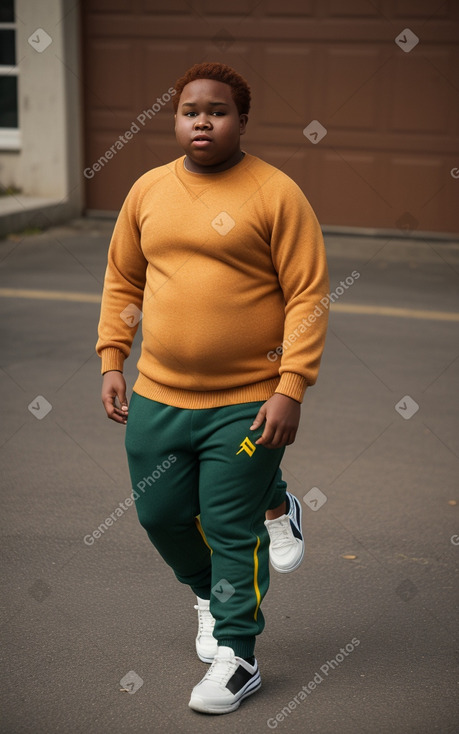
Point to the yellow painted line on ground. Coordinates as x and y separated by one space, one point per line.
403 313
353 308
49 295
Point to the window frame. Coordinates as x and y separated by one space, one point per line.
10 137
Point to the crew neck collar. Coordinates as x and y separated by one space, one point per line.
207 176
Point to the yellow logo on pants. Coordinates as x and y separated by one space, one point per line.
247 446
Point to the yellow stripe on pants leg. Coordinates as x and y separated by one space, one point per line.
255 577
197 520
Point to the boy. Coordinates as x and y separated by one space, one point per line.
224 256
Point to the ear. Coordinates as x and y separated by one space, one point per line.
243 120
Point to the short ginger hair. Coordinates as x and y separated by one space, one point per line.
240 90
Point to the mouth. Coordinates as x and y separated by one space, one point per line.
201 141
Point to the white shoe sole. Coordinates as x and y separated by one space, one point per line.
204 659
290 568
197 703
298 562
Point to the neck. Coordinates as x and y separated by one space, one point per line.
229 163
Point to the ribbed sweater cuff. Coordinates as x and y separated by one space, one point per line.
292 385
112 359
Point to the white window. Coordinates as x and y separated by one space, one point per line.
10 137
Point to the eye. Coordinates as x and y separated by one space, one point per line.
219 113
190 114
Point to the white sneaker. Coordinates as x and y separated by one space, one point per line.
206 644
227 682
286 547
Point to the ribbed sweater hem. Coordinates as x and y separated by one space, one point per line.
194 400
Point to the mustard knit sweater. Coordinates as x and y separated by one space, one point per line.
226 271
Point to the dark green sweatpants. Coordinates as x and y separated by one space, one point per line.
187 463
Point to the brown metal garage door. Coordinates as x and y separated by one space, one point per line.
366 125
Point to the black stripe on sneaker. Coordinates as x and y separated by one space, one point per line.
295 531
239 679
295 516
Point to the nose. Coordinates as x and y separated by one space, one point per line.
202 122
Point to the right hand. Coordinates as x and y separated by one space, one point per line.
113 389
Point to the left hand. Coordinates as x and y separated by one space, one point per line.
282 416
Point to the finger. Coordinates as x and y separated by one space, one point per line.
120 414
114 413
118 399
260 417
267 436
117 417
124 407
123 400
288 437
275 444
280 439
291 438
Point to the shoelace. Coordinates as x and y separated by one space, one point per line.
221 670
205 620
280 533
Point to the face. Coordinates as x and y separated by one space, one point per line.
208 126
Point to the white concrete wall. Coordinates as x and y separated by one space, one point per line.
49 163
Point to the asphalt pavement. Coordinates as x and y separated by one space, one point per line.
97 634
